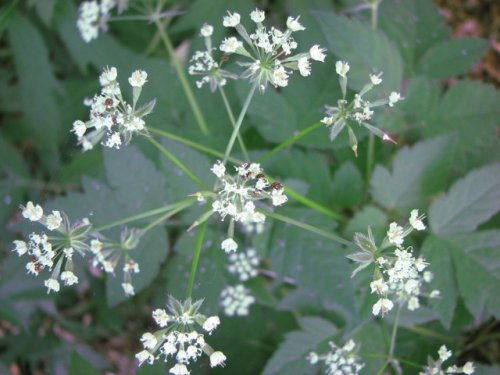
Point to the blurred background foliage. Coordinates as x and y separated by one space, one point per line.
443 59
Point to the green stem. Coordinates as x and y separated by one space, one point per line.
369 161
177 162
135 217
233 122
183 79
374 9
196 259
238 123
314 205
289 141
390 356
181 206
187 142
308 227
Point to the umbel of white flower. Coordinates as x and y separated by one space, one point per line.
435 367
179 338
108 253
358 110
203 64
244 264
268 53
93 16
340 360
55 251
113 121
399 275
236 300
235 196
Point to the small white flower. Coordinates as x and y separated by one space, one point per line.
211 323
435 294
257 15
161 317
231 20
230 45
416 221
108 76
383 306
279 77
229 245
217 358
149 340
304 66
69 278
54 220
413 304
394 97
32 212
342 67
179 369
375 79
395 234
379 286
468 368
317 53
138 78
21 247
294 25
219 169
206 30
52 284
145 356
79 128
278 197
128 288
236 300
444 353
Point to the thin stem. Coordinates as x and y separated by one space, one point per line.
238 123
187 142
374 9
392 346
196 259
233 122
135 217
289 141
177 162
369 160
181 206
183 79
308 227
314 205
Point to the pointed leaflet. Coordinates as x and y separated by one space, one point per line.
471 201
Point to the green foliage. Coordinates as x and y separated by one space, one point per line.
445 163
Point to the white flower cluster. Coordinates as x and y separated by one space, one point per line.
238 193
339 360
400 274
54 252
94 15
178 338
244 264
113 121
358 109
203 63
269 51
236 300
435 367
108 253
